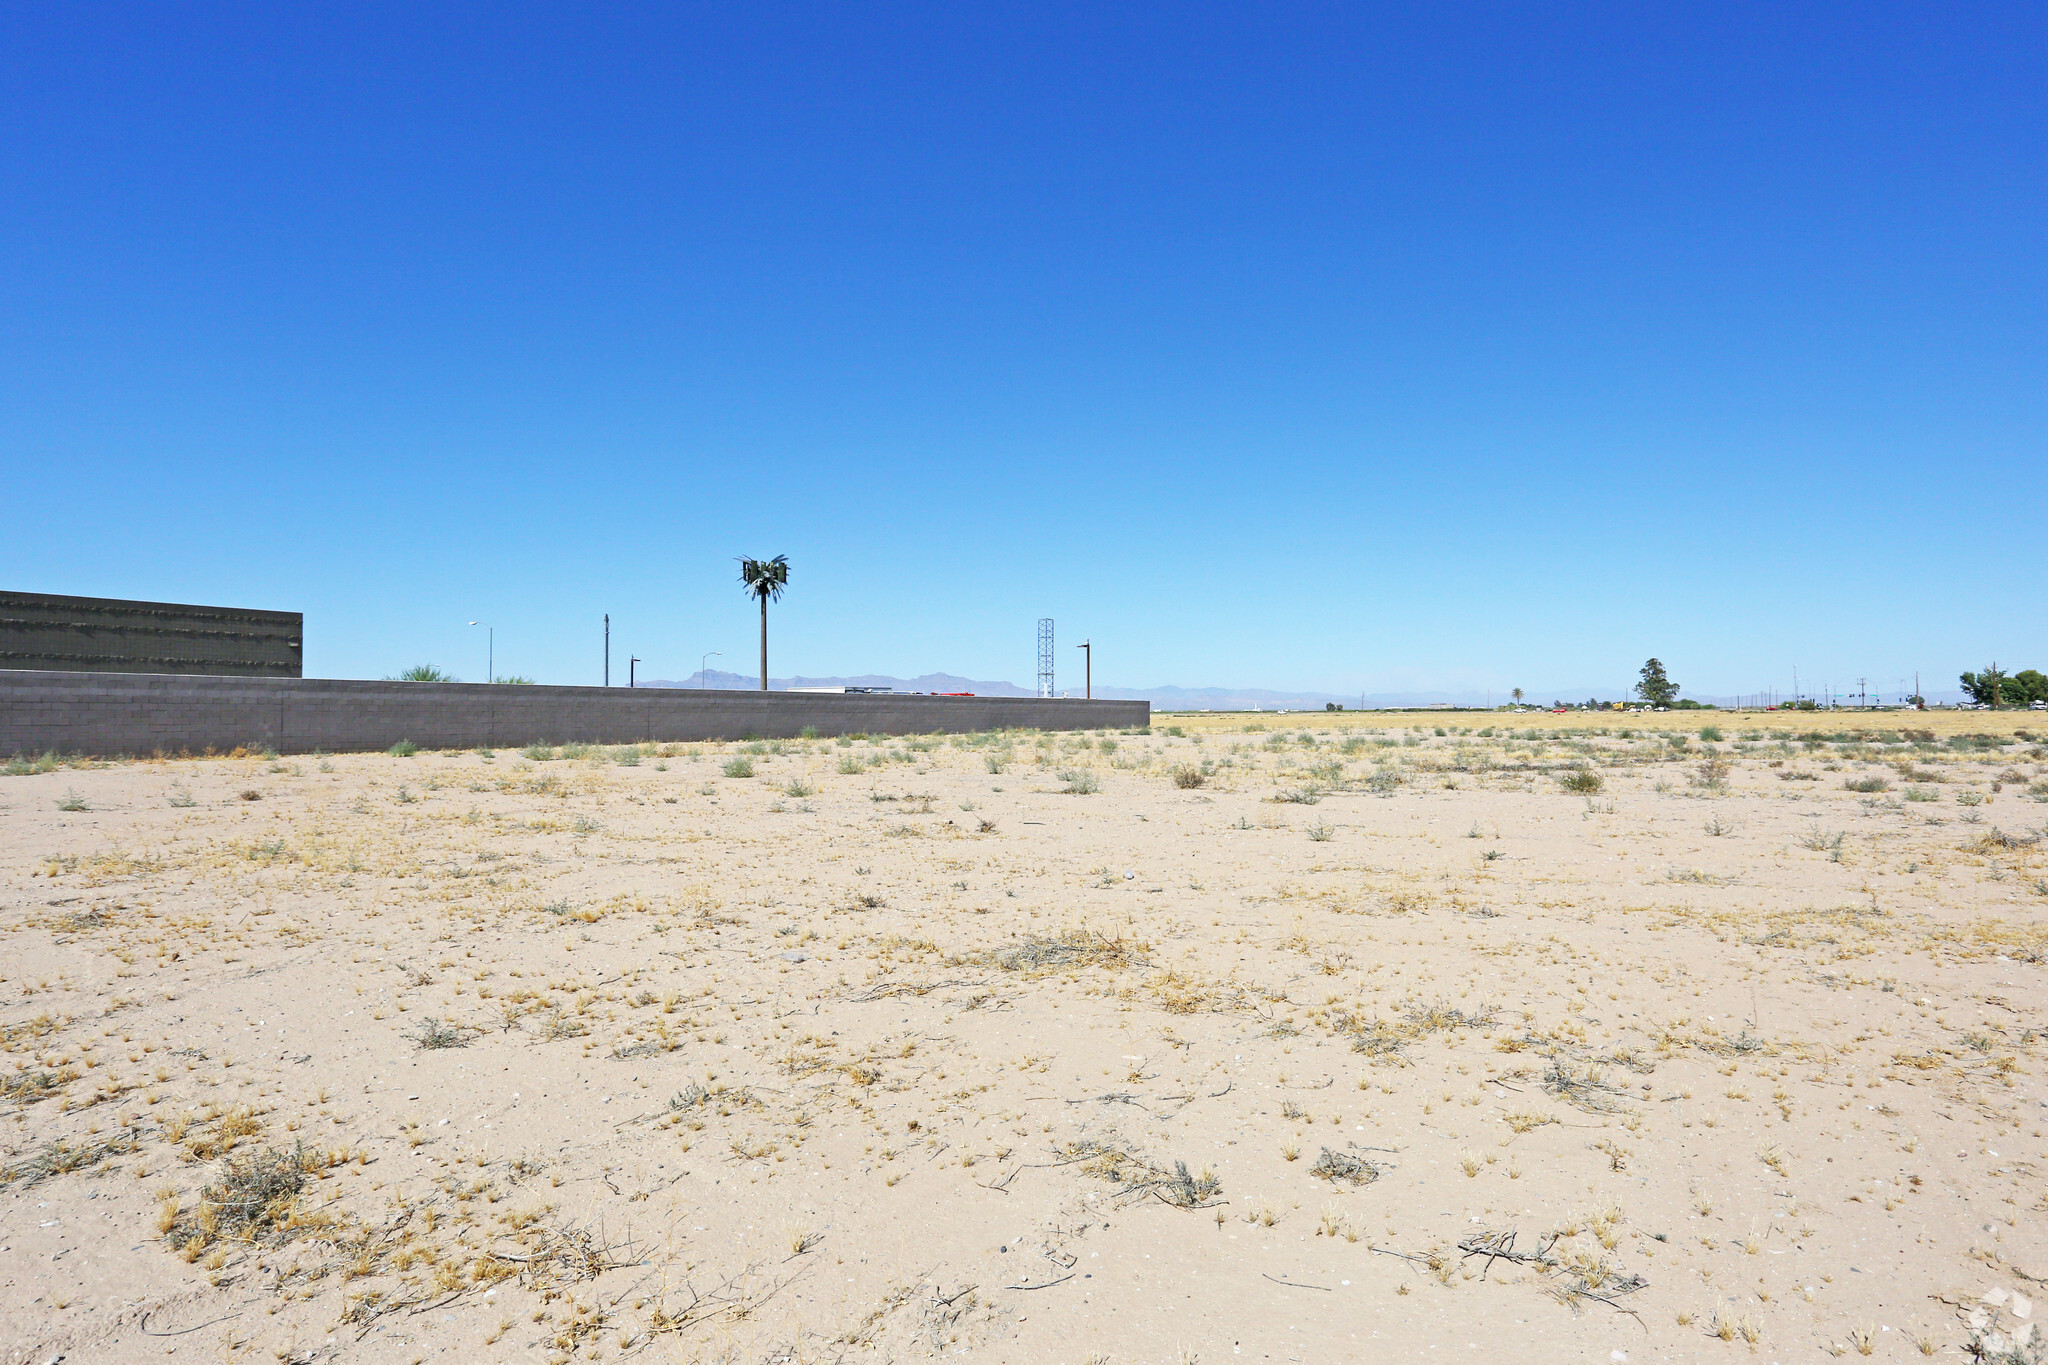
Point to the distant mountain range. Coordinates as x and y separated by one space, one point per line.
1171 698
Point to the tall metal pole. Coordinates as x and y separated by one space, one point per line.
1088 663
490 650
1045 656
702 681
630 670
607 649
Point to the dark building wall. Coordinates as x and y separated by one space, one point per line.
104 635
100 713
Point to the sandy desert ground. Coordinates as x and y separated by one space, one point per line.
1357 1039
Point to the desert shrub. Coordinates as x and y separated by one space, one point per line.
740 767
1583 780
1866 784
405 748
1186 776
1075 948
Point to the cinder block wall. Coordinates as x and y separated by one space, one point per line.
133 713
108 635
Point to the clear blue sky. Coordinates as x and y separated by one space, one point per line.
1336 347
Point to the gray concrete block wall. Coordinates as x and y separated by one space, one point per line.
136 713
110 635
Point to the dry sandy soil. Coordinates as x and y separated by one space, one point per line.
1361 1041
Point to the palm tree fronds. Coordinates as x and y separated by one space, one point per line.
765 578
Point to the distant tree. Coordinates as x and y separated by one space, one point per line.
423 673
1656 688
1986 688
1517 695
1994 687
765 579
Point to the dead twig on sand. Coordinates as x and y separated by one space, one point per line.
1047 1285
184 1331
1294 1284
889 990
1571 1279
1500 1246
567 1255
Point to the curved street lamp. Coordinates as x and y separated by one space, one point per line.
702 681
490 650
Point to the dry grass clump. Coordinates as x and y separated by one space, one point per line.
30 1086
61 1158
1334 1166
439 1033
1185 1191
1380 1040
1178 993
1074 948
1581 1086
1439 1016
254 1200
1186 776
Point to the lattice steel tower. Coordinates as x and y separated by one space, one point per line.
1045 656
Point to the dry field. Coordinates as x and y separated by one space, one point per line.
1365 1040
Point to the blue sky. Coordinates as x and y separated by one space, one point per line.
1338 347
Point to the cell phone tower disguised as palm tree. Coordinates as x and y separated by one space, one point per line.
765 579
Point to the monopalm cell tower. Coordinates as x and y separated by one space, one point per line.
1045 656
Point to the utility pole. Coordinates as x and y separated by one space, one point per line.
1088 666
607 649
630 668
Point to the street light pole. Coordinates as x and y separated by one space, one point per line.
702 681
490 650
1088 668
607 649
630 670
